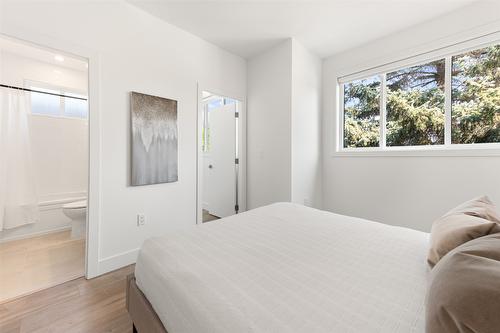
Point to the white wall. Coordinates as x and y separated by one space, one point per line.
284 126
406 191
306 127
59 145
135 52
268 126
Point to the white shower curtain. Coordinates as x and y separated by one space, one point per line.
18 192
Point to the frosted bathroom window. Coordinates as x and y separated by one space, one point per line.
57 106
75 108
44 104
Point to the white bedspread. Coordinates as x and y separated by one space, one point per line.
287 268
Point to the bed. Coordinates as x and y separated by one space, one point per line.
282 268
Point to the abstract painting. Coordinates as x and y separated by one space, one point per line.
154 139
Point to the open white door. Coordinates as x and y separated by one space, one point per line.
221 173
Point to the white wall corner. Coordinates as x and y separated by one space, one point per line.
306 113
268 126
284 101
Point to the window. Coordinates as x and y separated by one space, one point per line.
476 96
415 105
362 113
45 104
57 106
75 108
410 106
205 131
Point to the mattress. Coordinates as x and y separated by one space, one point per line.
287 268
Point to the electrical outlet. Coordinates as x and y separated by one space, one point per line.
141 219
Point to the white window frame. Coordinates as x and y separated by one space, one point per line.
32 84
446 149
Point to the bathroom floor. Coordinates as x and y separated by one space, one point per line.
32 264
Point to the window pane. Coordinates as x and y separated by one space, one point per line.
215 103
476 96
205 135
44 104
362 113
75 108
415 105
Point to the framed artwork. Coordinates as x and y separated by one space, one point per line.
154 139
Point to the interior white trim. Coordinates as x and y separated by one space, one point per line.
447 100
117 261
242 149
417 152
35 234
94 189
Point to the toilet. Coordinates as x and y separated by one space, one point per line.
77 212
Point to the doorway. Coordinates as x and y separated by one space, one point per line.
220 157
44 133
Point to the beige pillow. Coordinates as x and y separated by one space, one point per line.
463 293
470 220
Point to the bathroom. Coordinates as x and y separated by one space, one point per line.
43 167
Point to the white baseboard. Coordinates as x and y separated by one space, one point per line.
117 261
34 234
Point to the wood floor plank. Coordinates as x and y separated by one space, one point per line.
33 264
77 306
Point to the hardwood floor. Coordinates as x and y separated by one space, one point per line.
207 217
93 306
32 264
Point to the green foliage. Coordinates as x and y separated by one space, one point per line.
362 112
205 139
416 117
476 97
415 103
361 133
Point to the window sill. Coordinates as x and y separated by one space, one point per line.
485 150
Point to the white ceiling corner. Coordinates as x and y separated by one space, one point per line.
247 28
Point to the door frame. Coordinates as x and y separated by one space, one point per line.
94 195
242 149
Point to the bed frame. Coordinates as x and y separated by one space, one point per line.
144 317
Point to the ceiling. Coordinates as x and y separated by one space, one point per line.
325 27
42 54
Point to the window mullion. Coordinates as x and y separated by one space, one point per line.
383 112
341 118
447 101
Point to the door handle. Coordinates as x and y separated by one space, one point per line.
210 166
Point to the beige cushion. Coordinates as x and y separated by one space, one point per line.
470 220
464 289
